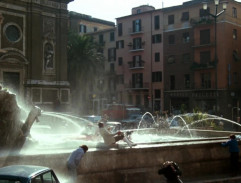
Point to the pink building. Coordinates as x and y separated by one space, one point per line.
139 53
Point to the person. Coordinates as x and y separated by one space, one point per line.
74 160
112 138
171 171
232 143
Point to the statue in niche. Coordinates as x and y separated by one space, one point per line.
48 56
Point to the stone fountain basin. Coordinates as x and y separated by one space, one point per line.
197 158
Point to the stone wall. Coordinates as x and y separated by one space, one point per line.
140 164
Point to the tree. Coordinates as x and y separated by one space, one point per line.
85 62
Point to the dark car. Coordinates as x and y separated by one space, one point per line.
135 120
27 174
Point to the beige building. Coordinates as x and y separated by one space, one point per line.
104 91
83 24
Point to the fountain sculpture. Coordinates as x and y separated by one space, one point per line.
13 131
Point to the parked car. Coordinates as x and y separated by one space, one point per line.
27 174
92 118
119 112
134 120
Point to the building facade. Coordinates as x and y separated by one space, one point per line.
33 41
102 89
194 77
139 66
83 24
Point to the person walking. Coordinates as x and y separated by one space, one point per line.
232 143
74 160
112 138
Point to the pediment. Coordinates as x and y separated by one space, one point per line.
13 57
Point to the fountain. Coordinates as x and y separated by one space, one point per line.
193 144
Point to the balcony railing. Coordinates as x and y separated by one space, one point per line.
136 31
137 86
199 66
201 21
136 64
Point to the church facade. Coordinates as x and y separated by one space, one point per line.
33 55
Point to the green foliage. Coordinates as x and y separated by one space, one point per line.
84 60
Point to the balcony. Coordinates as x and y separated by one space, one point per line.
137 47
137 86
136 31
136 64
201 66
199 21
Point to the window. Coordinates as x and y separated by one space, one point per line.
157 57
156 38
157 76
235 78
137 61
137 80
138 100
120 61
205 36
170 19
112 36
48 177
172 82
205 57
171 59
101 38
111 54
171 39
13 33
136 26
95 29
112 67
186 58
138 11
82 28
120 44
120 79
206 80
234 12
185 37
235 34
157 93
187 80
236 56
157 22
137 43
130 99
185 16
119 29
204 13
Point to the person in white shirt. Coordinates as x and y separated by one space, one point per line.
112 138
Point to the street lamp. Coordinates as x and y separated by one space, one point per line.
215 16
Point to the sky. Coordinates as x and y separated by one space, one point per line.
111 9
